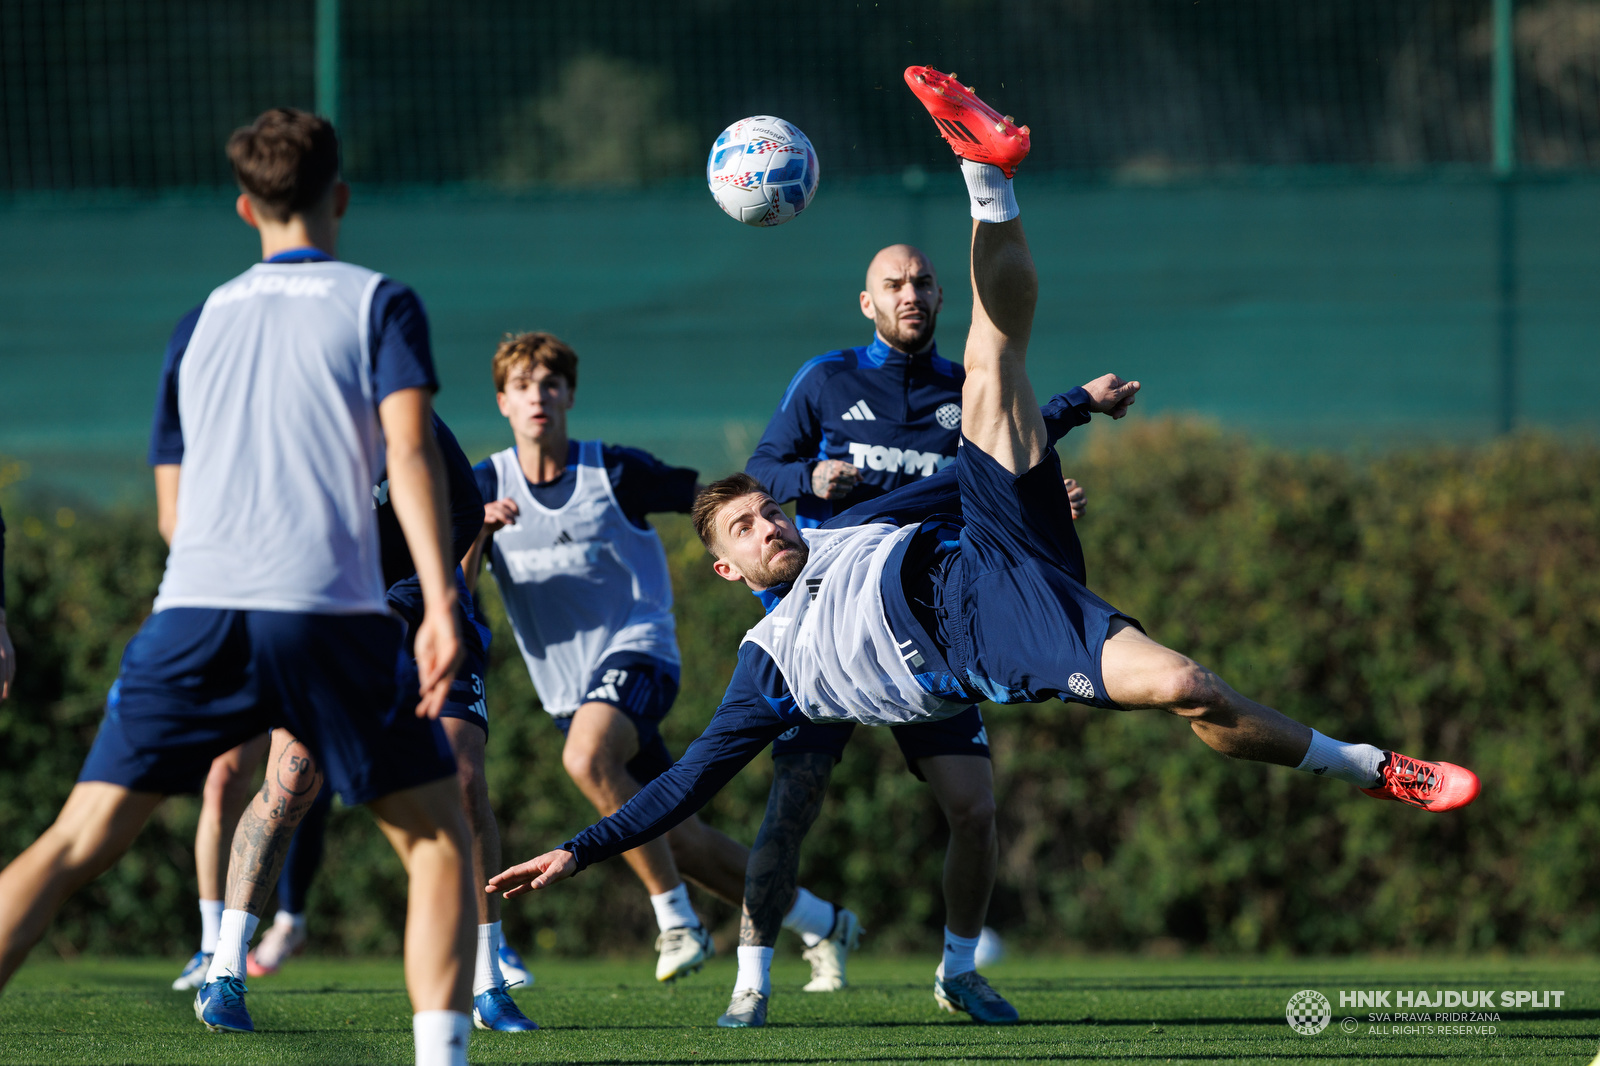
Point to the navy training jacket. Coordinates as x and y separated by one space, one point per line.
896 417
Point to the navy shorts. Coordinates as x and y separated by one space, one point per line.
467 699
197 681
643 688
961 734
1021 624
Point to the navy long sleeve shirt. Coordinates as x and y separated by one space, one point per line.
895 417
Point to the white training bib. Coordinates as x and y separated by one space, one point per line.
281 442
831 640
579 583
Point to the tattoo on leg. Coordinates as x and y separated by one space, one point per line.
261 841
799 784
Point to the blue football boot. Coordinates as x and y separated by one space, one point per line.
194 972
971 993
513 969
496 1010
220 1005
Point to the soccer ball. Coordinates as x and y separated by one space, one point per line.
762 171
990 948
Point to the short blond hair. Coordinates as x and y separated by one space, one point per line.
533 349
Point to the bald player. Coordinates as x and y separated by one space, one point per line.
854 424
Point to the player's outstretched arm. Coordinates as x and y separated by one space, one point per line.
744 724
417 493
534 874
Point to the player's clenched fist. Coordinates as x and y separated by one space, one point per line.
538 873
833 478
498 514
1111 395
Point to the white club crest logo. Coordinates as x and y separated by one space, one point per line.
1308 1012
1081 686
790 733
948 415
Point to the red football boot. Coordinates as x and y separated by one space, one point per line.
1433 786
975 130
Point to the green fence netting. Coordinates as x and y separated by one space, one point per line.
141 93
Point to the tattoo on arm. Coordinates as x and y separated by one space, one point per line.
799 783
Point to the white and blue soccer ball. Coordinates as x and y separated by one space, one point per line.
762 171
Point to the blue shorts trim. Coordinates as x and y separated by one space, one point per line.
197 681
644 689
961 734
1022 625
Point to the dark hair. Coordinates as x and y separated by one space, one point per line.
286 160
711 499
535 349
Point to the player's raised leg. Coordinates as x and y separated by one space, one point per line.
1140 673
998 411
223 799
95 827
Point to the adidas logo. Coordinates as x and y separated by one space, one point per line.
606 692
859 412
565 538
984 201
956 129
813 586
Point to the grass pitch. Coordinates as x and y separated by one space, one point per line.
1078 1010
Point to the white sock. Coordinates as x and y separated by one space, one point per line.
486 974
298 921
210 923
1356 763
441 1037
755 971
990 189
673 910
811 917
233 941
958 955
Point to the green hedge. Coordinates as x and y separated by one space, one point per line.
1445 602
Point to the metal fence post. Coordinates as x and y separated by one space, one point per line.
328 60
1505 166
